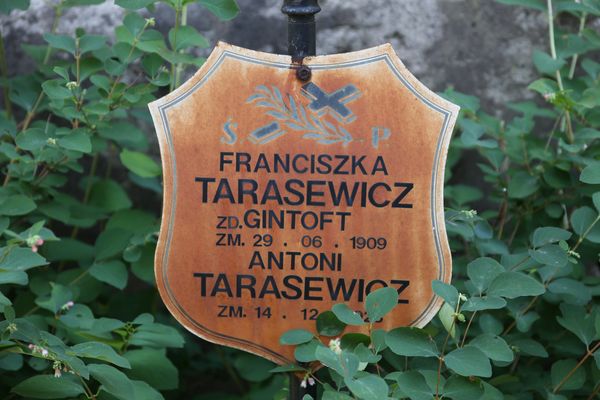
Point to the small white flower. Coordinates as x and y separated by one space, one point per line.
44 352
303 383
335 345
57 369
67 306
311 381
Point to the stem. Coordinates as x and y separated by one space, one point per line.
31 113
133 46
586 233
4 74
522 312
174 66
179 67
559 80
596 391
588 354
582 22
462 344
88 191
441 358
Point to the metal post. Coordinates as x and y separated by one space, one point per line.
302 42
297 392
302 30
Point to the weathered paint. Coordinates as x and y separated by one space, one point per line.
362 104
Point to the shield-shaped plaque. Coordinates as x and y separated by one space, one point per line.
284 197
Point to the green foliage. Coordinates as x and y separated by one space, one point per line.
521 320
80 315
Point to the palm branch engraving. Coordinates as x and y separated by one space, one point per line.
294 116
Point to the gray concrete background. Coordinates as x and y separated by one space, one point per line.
479 47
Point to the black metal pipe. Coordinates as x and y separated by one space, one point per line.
297 392
302 30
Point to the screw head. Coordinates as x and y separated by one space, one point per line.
304 73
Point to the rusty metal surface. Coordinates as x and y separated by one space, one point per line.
236 122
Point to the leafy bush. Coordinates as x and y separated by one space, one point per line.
79 211
522 318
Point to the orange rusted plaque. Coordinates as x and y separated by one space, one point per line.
283 198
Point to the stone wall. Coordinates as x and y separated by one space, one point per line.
477 46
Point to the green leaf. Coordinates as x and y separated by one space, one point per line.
484 303
380 302
111 242
16 205
582 220
413 385
469 361
346 364
559 371
459 388
61 42
306 352
591 174
6 6
225 10
89 43
347 315
549 235
77 140
515 284
135 4
530 347
144 391
545 63
544 86
185 37
113 381
576 320
56 90
153 367
55 300
551 254
446 316
332 395
329 325
49 387
112 272
253 368
109 196
140 164
157 336
446 292
494 347
353 340
537 4
522 185
369 387
572 291
15 277
296 337
596 200
32 139
99 351
411 342
483 271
